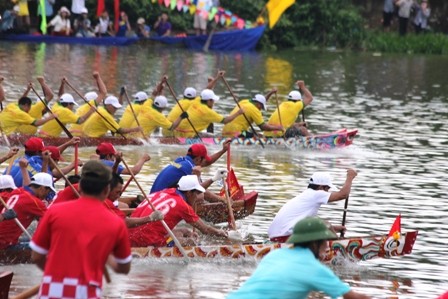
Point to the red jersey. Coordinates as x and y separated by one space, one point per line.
174 208
66 194
110 205
77 237
27 207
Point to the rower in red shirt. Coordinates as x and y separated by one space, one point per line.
75 239
28 205
176 204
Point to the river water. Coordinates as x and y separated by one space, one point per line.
397 102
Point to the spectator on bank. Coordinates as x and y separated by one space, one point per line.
421 17
23 15
201 16
48 11
104 26
61 23
404 12
142 30
162 26
82 25
77 8
388 14
8 22
124 27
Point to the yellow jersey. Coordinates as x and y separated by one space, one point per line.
150 118
289 111
97 126
65 116
176 112
240 124
76 129
127 119
36 112
200 116
12 119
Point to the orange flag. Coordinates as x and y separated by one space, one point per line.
395 230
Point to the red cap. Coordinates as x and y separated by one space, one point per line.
34 144
55 153
105 148
199 150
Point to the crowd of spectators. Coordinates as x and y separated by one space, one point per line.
416 11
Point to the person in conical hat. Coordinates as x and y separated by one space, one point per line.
295 272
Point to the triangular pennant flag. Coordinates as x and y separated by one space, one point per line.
395 230
173 4
180 3
192 9
160 2
167 2
185 8
212 13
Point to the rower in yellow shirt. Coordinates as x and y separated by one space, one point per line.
64 110
128 118
103 121
252 114
201 114
14 116
151 116
290 112
93 100
189 97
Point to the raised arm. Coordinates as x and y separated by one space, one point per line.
48 94
139 165
270 93
212 83
307 97
101 88
344 192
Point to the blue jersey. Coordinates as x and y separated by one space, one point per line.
290 273
34 166
110 163
170 175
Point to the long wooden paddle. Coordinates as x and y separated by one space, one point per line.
17 221
232 224
96 110
182 109
55 117
279 114
209 38
344 215
244 114
176 241
133 111
28 293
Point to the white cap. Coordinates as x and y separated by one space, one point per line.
190 93
190 182
322 179
295 95
7 182
111 100
84 10
16 8
67 98
91 95
140 96
43 179
160 101
208 94
141 21
260 99
64 9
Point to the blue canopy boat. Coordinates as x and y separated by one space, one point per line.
97 41
229 40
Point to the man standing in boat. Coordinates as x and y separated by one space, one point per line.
76 239
289 111
176 205
252 114
320 191
196 158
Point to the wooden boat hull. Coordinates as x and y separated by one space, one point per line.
332 140
5 284
353 249
217 212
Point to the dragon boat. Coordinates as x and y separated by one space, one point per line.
353 249
340 138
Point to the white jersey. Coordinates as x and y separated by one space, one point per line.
306 204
